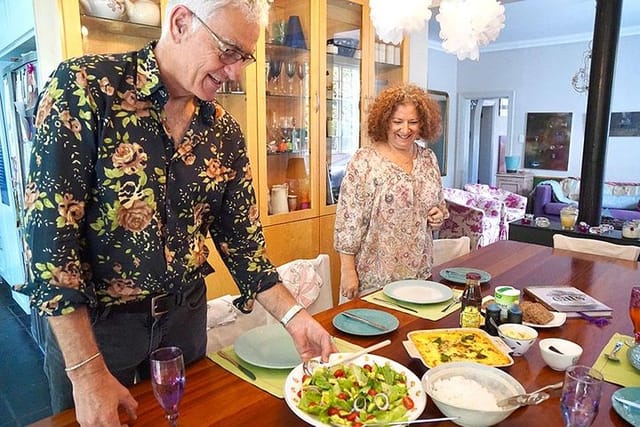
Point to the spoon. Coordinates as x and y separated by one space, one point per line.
612 354
310 365
532 398
552 348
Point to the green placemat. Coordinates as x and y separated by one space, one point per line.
425 311
622 372
269 380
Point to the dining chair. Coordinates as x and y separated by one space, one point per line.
447 249
308 280
596 247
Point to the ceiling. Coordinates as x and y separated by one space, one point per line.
531 23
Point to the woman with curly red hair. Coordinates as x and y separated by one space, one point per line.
391 195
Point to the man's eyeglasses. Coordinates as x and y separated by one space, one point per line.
228 54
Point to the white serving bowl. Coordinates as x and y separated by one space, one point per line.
496 381
559 362
518 337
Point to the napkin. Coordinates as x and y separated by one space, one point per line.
622 372
220 311
269 380
425 311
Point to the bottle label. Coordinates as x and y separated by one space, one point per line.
470 317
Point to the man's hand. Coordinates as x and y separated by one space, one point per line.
310 338
98 395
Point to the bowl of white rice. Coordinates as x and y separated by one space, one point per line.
471 391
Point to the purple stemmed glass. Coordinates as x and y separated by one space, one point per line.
167 379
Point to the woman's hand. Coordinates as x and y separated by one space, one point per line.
349 283
435 218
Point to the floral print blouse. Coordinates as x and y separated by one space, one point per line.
115 211
381 216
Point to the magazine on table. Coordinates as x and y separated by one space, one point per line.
568 299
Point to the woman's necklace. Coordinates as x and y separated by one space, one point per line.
405 163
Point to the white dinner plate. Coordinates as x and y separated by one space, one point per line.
558 320
294 381
418 291
268 346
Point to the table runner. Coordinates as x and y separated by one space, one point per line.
622 372
269 380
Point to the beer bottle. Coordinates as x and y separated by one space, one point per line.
471 302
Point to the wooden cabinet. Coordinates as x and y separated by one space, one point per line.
520 183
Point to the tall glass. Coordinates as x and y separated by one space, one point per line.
568 217
580 395
167 380
634 312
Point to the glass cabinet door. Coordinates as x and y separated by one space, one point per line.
287 99
388 65
113 26
343 82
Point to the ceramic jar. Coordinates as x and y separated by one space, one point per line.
279 198
631 229
110 9
144 12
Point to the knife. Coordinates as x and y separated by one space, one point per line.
396 304
244 370
364 320
627 402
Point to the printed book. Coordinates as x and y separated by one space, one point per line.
568 299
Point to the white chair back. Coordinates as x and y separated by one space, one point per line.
309 280
447 249
596 247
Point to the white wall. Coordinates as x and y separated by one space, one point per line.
541 79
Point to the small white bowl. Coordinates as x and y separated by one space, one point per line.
518 337
571 352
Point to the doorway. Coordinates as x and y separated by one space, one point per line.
478 130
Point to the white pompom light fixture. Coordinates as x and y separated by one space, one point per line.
465 25
393 18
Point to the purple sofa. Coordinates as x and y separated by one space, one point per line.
544 204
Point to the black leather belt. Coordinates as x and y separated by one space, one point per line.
156 305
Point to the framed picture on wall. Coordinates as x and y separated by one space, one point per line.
439 145
625 124
547 141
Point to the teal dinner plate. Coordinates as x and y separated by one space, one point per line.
418 291
268 346
357 327
458 274
628 413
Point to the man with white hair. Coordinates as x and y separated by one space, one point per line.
134 164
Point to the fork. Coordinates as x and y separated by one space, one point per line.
453 302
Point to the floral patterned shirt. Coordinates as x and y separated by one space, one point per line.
115 211
381 216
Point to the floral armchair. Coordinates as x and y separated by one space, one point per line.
472 215
515 205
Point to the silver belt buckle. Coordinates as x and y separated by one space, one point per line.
154 300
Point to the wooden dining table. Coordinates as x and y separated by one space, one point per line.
215 397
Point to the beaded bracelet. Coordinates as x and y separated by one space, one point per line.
81 364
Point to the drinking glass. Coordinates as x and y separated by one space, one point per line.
580 395
167 379
275 68
568 217
290 70
634 312
301 70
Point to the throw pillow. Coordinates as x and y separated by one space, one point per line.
620 202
